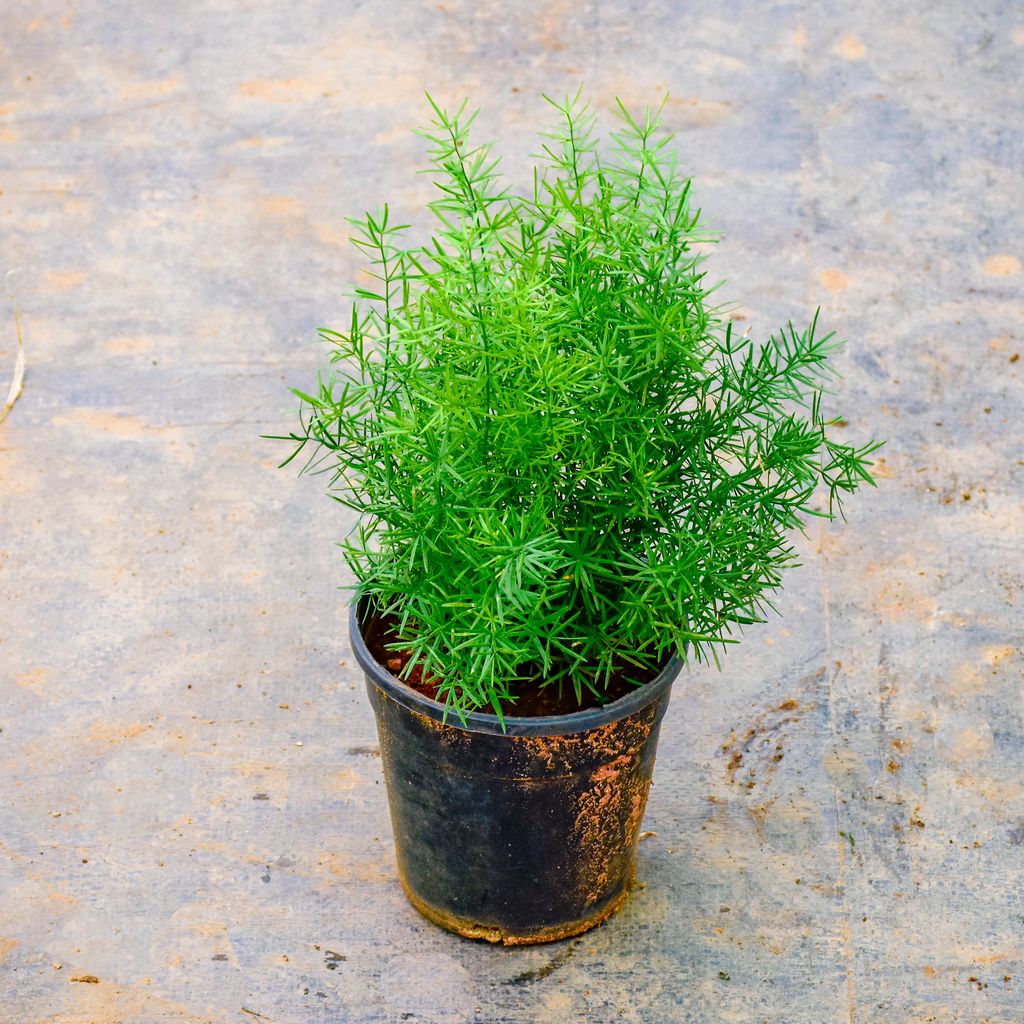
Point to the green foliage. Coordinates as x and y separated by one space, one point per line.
563 461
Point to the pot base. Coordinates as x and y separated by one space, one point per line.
488 933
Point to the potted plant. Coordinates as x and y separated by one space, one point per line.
571 477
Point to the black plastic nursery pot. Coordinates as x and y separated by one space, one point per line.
519 836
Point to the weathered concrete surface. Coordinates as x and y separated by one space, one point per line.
192 811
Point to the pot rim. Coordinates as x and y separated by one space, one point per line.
484 722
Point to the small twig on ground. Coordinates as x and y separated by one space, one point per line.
19 363
253 1013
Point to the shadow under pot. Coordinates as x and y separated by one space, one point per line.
519 836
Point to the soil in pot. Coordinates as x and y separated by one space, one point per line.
533 701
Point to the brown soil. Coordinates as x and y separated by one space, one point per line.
531 701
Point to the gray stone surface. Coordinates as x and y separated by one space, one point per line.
191 809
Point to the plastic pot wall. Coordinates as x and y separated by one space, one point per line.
518 836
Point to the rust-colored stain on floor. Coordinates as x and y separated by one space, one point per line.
193 825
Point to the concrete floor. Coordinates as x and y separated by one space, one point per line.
192 812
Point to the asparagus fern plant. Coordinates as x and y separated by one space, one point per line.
563 459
